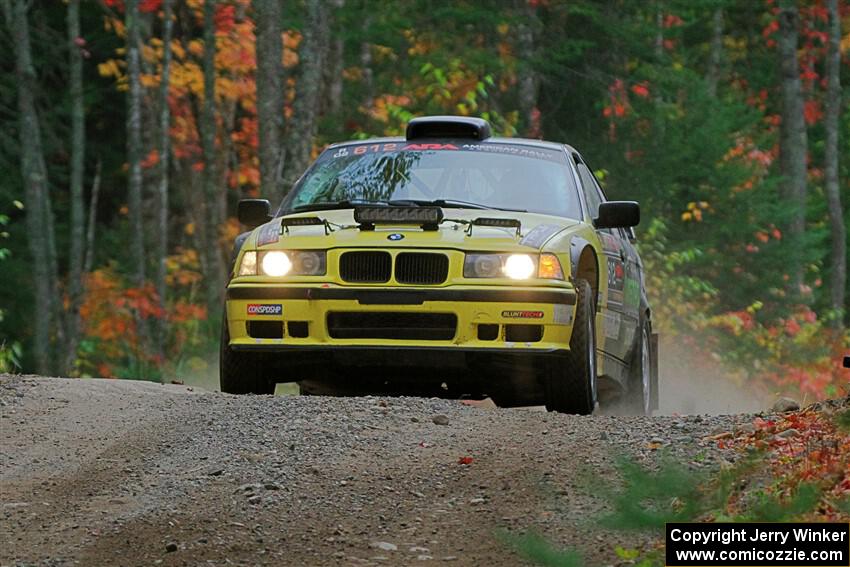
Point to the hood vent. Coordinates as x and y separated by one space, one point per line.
448 127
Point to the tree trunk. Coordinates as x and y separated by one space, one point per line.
838 275
305 108
78 140
716 53
528 79
134 143
34 174
95 193
267 15
793 143
164 161
366 65
335 65
334 82
215 273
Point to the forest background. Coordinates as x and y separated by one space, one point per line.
129 129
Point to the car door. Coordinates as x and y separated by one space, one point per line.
614 312
631 289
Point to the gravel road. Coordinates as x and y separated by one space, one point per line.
108 472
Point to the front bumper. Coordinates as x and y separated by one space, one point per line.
306 310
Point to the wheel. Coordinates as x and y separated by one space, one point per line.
570 381
640 375
240 372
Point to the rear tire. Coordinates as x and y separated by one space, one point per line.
570 381
640 395
240 372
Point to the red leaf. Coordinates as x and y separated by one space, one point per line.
641 90
812 111
465 460
148 6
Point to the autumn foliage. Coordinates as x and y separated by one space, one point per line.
119 321
672 110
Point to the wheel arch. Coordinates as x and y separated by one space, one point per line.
584 264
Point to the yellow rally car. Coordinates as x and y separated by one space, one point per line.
447 263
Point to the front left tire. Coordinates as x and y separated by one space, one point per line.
240 372
570 380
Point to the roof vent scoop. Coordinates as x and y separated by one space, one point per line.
448 127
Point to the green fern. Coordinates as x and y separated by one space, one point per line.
541 551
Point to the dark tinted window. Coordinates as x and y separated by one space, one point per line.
510 176
591 193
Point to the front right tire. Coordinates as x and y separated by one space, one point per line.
570 380
240 372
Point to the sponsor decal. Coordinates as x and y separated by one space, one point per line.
420 147
611 325
616 275
504 149
516 150
563 314
269 234
265 309
540 234
632 295
522 314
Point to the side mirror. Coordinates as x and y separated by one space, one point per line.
254 212
618 214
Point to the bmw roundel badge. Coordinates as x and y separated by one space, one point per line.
395 236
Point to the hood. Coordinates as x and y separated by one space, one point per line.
536 230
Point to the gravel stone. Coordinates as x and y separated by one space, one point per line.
787 433
440 419
385 546
783 405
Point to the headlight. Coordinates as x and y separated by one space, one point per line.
514 266
278 263
308 262
483 266
519 267
275 263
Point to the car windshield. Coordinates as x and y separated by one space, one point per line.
458 174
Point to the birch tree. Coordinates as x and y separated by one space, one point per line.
267 15
528 79
366 64
716 52
335 64
39 222
794 139
164 151
134 143
302 127
77 221
214 272
838 232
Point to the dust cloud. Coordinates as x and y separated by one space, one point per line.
692 385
